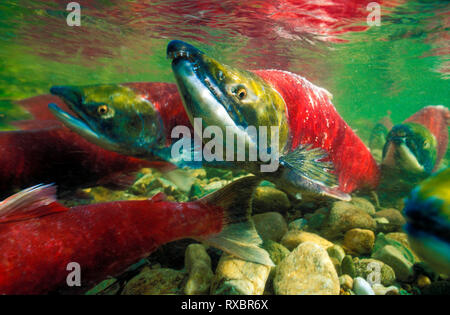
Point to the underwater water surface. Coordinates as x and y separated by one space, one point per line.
399 66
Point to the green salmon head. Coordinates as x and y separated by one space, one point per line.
410 147
111 116
223 96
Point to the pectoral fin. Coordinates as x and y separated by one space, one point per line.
305 168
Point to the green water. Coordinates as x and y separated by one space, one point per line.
400 66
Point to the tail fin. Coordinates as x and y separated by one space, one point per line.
30 203
239 236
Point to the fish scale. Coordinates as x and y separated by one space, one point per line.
39 237
314 120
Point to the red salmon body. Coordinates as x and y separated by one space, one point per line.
55 154
436 119
39 237
313 119
103 239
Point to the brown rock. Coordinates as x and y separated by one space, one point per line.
267 199
307 270
198 265
359 241
155 282
236 277
345 216
395 218
293 238
363 204
270 226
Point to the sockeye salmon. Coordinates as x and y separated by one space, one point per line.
39 237
43 150
417 146
134 119
315 143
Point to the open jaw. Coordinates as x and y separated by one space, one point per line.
77 123
202 95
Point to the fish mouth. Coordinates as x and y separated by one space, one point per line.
201 93
398 154
79 124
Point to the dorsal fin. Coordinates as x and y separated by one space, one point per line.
30 203
159 197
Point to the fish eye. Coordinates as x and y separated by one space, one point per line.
426 144
102 109
241 93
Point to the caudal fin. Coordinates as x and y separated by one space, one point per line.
239 236
30 203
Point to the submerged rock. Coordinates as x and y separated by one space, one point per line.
382 240
235 276
336 252
270 225
375 271
155 282
362 287
199 173
391 256
345 216
348 266
395 220
423 281
215 185
363 204
298 224
337 265
198 266
277 252
379 289
402 238
359 241
268 198
293 238
316 220
212 172
306 270
346 282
